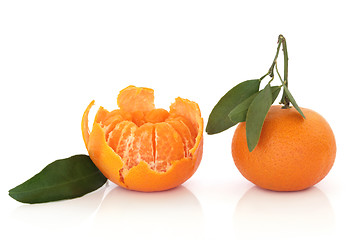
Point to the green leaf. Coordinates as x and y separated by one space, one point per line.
255 117
275 92
292 100
218 120
62 179
238 114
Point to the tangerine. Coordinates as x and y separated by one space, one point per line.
292 154
144 148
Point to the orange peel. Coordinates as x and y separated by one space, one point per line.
142 148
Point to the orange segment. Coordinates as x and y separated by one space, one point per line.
114 115
169 146
143 148
191 116
133 99
122 136
156 115
188 110
109 120
189 125
138 117
108 129
105 159
185 133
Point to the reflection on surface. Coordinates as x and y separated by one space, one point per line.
66 213
173 214
284 215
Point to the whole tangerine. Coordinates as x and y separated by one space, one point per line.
292 154
143 148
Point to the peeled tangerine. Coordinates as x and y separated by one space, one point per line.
144 148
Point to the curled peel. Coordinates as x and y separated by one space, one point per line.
85 124
143 176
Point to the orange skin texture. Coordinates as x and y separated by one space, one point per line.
142 177
292 153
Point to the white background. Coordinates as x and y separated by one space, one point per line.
56 56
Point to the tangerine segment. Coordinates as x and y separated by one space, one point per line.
189 113
144 148
121 137
187 138
105 159
169 146
141 147
156 115
133 99
157 144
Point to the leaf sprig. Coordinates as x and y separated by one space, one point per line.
247 103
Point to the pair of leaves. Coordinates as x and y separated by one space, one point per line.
254 110
245 102
238 114
256 114
62 179
219 120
